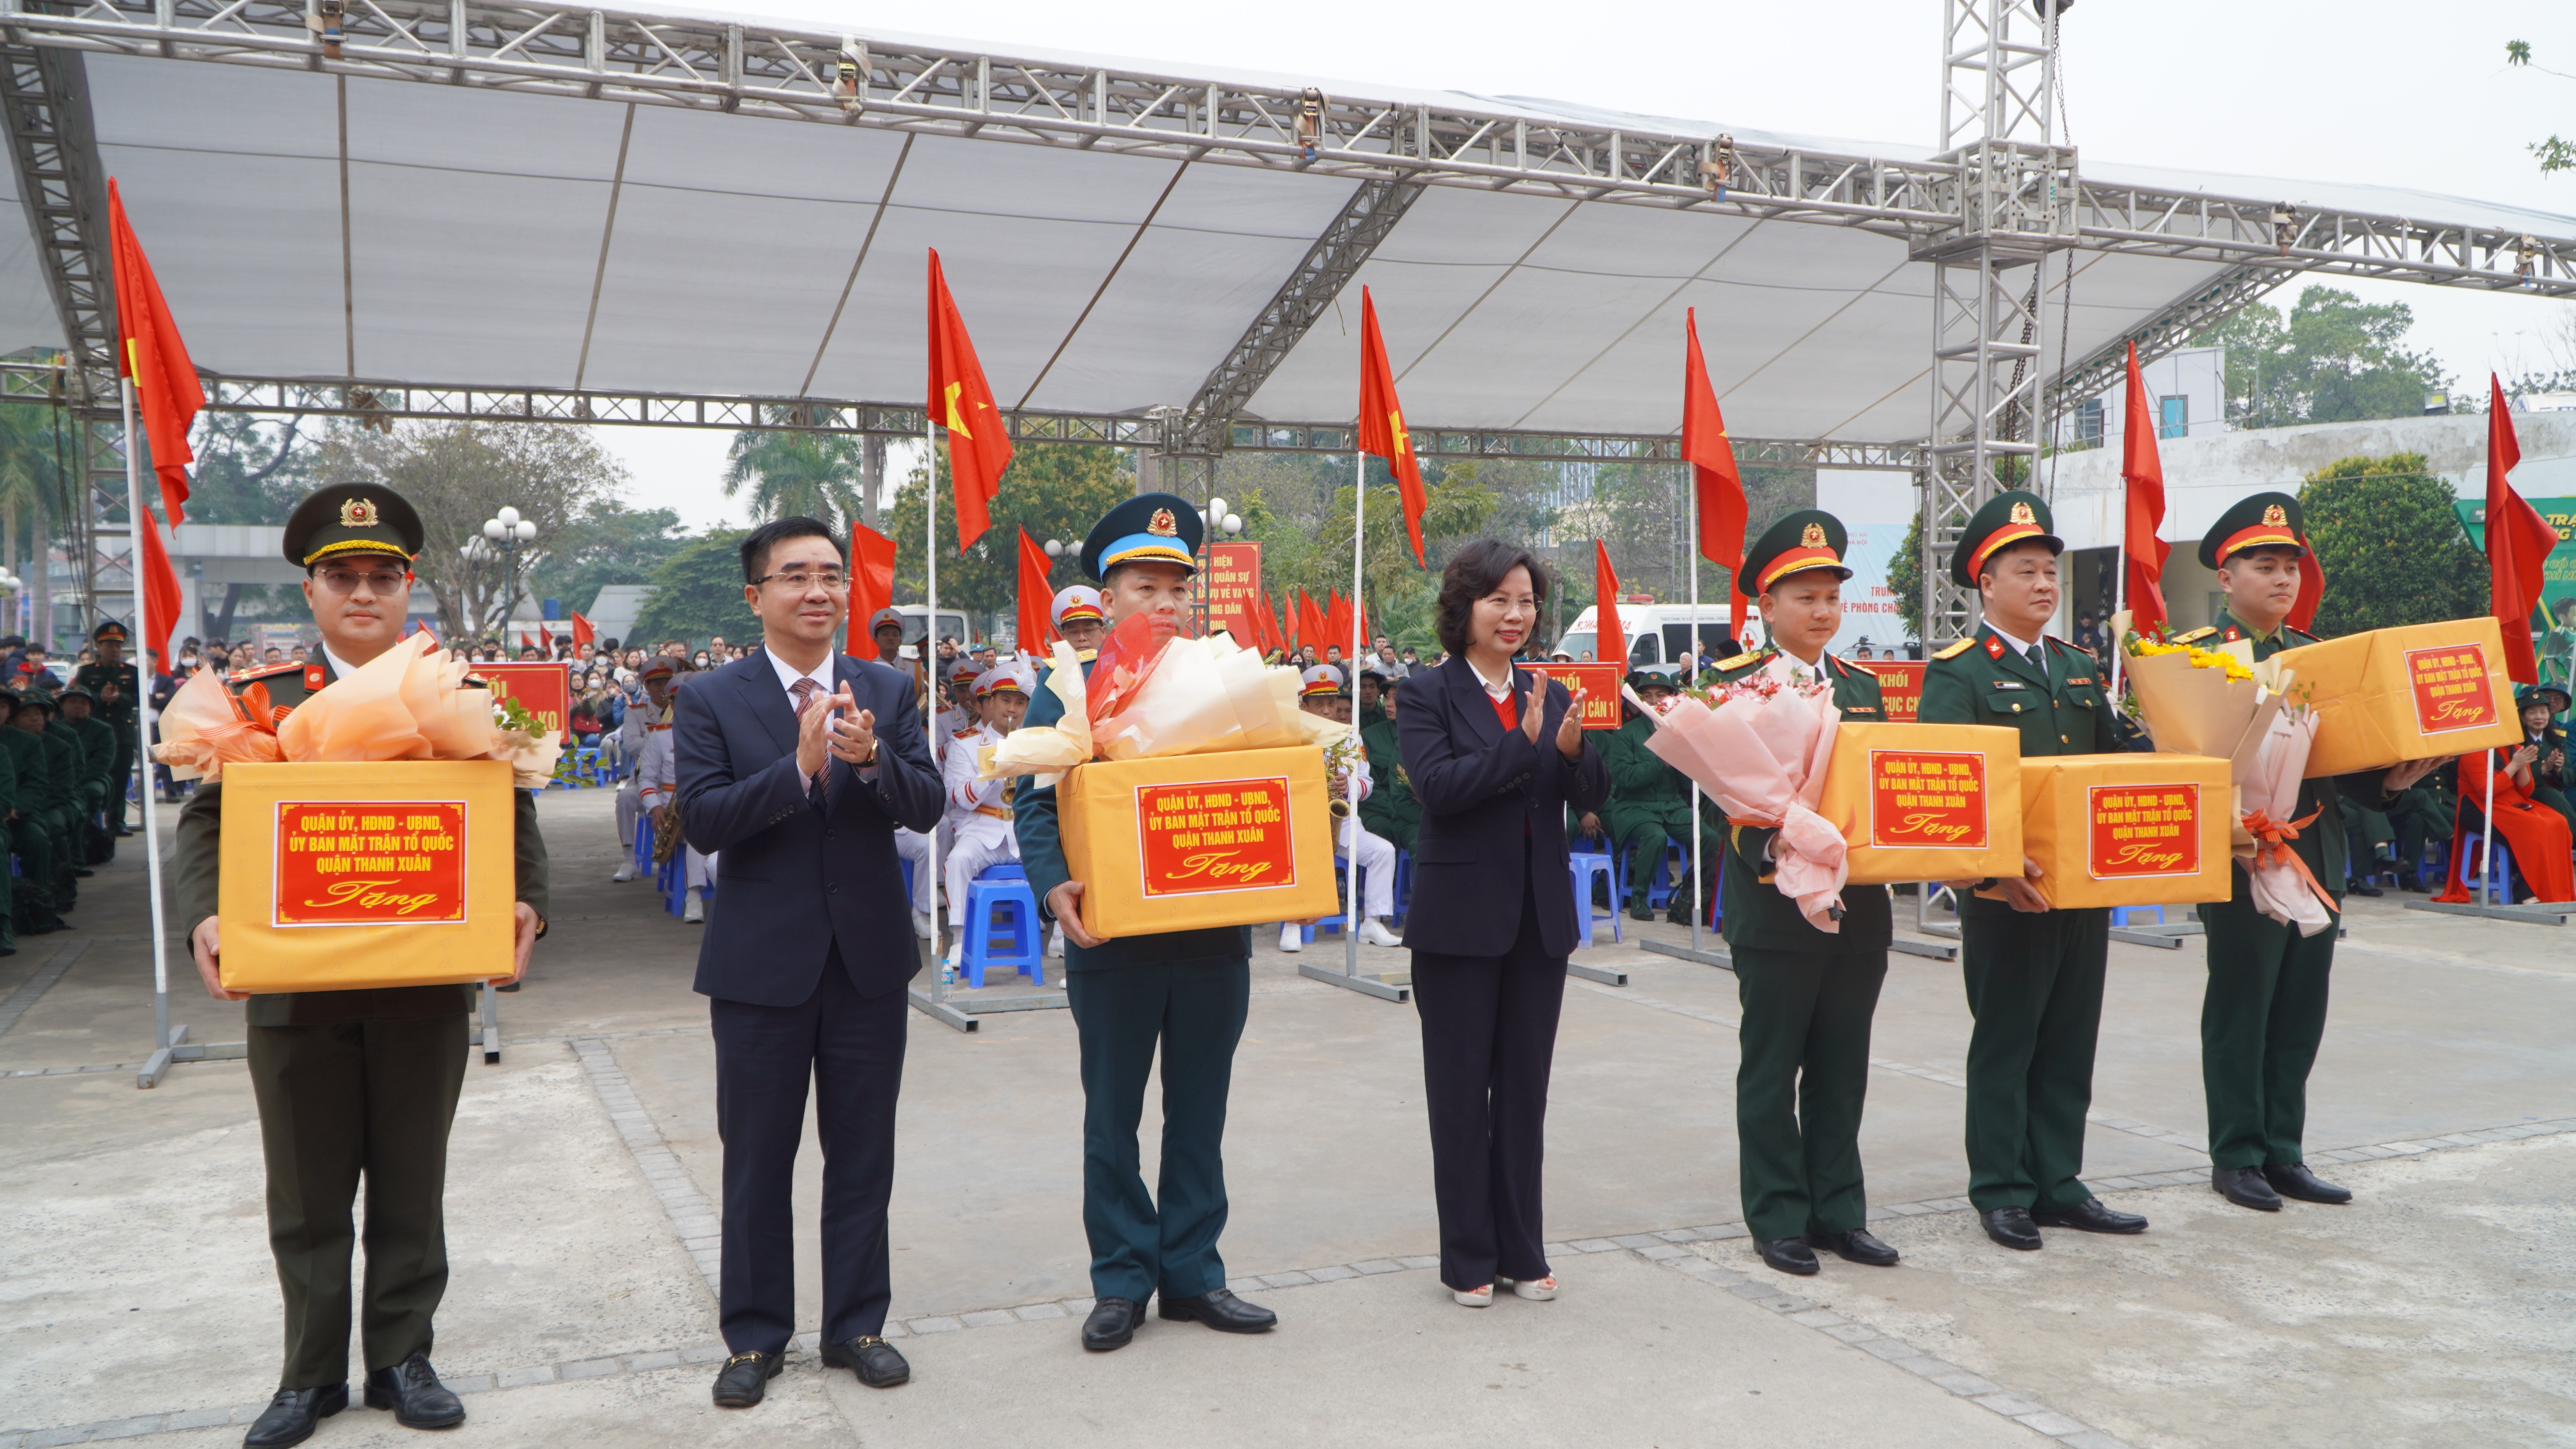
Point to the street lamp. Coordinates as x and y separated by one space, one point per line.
504 535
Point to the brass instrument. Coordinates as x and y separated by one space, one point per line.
1340 758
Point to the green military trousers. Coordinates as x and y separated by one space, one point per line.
338 1101
2035 987
1637 832
2260 1022
1803 1071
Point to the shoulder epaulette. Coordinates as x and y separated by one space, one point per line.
267 671
1740 660
2068 647
1953 649
1839 665
962 734
2196 635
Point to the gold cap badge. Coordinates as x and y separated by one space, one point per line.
2021 514
358 513
1814 537
2273 515
1162 525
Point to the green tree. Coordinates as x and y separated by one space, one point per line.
609 543
2331 359
249 469
2391 546
697 593
2555 153
1905 577
798 474
1054 490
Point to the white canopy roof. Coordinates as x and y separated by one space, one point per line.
479 227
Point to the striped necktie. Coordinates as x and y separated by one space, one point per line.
805 692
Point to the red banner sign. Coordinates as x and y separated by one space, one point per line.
1215 835
1922 798
1233 585
543 688
1599 684
1900 687
2451 688
351 863
2137 830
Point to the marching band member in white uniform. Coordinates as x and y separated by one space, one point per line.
659 772
979 811
1371 856
632 733
913 846
1081 618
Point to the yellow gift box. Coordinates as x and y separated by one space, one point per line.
340 877
1925 801
2127 830
1236 838
2417 692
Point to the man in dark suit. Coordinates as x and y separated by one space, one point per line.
798 763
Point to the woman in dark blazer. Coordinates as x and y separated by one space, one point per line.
1496 755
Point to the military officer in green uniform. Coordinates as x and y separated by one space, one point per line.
2551 773
32 899
1649 803
100 793
2034 975
2264 1011
49 793
117 691
1391 812
1182 992
1808 995
351 1082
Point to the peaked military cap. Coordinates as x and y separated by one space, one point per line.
2266 520
352 518
111 630
2010 517
1077 603
1807 539
1148 528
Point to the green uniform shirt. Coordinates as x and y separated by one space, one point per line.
2061 708
1756 915
1391 795
99 752
26 755
94 678
197 861
1638 775
63 761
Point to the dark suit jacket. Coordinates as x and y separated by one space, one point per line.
797 880
1493 814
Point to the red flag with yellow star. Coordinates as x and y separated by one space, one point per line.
1381 429
979 442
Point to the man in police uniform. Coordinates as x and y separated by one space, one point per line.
351 1082
111 681
1808 995
2034 975
1184 992
2265 1008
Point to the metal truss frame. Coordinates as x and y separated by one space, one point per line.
1459 445
1993 69
2168 330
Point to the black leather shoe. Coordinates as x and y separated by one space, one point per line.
2089 1216
1219 1309
1788 1255
2294 1180
1856 1246
1641 913
873 1359
2363 888
412 1390
1111 1324
2012 1228
745 1377
2245 1187
290 1417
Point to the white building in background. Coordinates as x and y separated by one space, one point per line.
2186 390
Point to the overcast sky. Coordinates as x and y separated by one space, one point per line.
2391 92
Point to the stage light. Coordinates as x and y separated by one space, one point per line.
2285 227
324 21
849 73
1310 120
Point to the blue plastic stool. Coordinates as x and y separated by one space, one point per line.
1584 865
906 862
674 880
1403 884
1002 931
2502 873
1328 923
2123 915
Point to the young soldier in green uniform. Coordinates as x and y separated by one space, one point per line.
1182 992
2540 704
2265 1008
112 683
1649 804
47 766
100 795
1807 995
350 1082
1390 812
31 898
2034 975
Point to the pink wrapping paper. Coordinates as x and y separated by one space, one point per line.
1763 759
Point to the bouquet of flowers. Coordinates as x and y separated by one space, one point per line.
1153 695
2204 701
1760 746
2282 886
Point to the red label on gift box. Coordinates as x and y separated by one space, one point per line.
1900 687
369 862
1215 835
2136 830
544 689
1599 684
1919 798
2451 688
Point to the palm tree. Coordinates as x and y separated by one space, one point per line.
817 475
36 446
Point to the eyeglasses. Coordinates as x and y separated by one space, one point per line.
830 579
378 581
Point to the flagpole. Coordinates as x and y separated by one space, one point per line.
938 686
2487 855
1699 903
163 1037
1351 681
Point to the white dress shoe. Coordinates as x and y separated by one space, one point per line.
1537 1290
921 924
1291 938
625 869
1374 933
1055 944
1481 1298
696 911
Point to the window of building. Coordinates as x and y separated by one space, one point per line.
2173 417
2088 422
